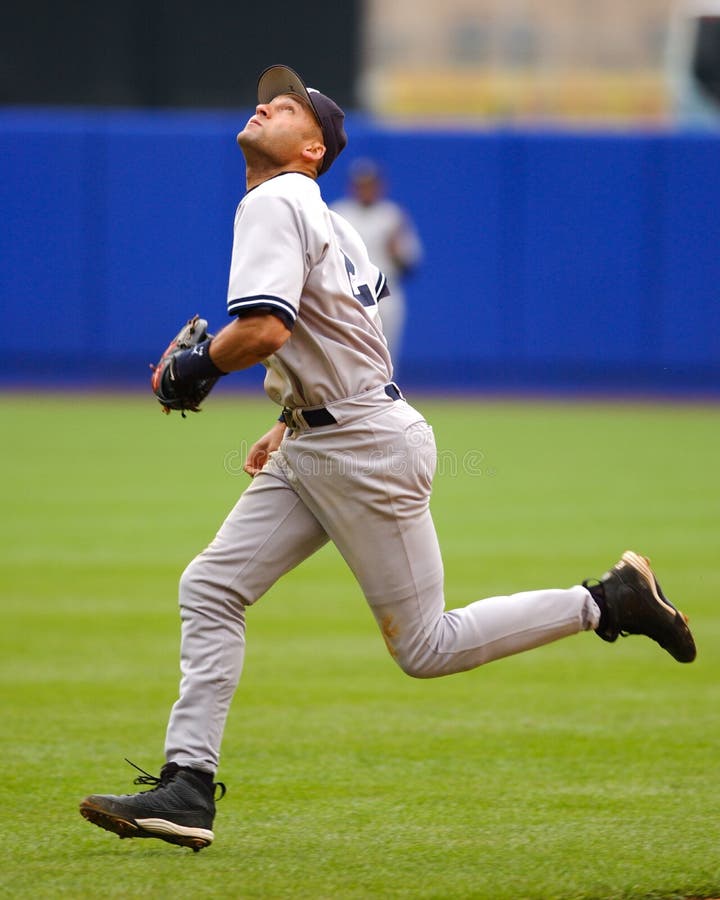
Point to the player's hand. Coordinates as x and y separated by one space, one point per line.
260 451
185 393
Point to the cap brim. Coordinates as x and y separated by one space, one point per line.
277 80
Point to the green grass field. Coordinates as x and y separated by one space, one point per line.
580 770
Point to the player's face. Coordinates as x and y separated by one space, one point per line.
367 189
280 130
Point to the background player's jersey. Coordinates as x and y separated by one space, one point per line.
296 258
390 237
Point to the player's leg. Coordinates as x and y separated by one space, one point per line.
269 532
384 530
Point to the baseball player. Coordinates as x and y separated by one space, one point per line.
349 461
390 237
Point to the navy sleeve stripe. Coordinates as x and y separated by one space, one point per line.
381 288
244 304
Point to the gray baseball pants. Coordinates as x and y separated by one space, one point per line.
365 485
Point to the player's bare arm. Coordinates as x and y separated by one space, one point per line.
260 451
247 341
252 335
195 360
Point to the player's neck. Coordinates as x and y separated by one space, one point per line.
257 174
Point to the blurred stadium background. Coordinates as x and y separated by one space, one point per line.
559 156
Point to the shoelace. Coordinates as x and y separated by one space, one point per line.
166 774
147 778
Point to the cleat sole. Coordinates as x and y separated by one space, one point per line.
121 827
194 838
641 564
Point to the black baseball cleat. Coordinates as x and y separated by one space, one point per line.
632 602
179 808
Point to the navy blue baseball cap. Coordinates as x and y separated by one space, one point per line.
277 80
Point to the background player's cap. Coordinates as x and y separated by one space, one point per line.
277 80
364 169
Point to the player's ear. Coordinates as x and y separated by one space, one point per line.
314 151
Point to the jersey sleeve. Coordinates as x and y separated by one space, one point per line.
267 271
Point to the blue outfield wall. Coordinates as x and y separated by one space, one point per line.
552 259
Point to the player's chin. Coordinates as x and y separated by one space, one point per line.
245 136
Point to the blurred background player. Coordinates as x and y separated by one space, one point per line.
391 238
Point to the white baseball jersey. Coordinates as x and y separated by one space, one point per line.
295 257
